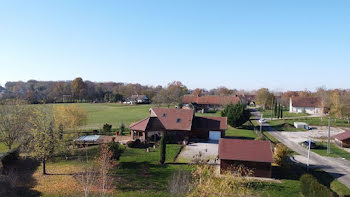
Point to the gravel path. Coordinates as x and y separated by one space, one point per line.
208 151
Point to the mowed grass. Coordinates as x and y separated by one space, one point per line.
318 121
112 113
335 151
137 173
286 114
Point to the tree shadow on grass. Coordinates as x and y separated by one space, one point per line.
132 176
20 174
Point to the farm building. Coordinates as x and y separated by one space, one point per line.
209 102
310 105
254 155
342 139
179 124
137 99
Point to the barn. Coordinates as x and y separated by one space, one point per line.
342 139
253 154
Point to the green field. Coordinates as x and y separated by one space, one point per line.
317 121
286 114
3 148
113 113
335 151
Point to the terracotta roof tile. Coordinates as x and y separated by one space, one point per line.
245 150
306 102
174 119
342 136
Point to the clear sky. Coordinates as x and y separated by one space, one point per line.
242 44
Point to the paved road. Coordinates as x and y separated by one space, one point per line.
338 168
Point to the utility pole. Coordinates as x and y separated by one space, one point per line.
329 136
308 154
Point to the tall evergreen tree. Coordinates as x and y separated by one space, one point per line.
278 111
281 112
275 110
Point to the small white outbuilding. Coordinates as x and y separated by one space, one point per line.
301 125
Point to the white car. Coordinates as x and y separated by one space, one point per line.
262 121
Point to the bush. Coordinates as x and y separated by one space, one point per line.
116 150
107 128
136 144
312 188
281 155
236 114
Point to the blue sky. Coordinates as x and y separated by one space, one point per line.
281 45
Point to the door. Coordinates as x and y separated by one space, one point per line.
214 135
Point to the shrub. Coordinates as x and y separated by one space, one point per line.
179 183
107 128
136 144
312 188
116 150
281 155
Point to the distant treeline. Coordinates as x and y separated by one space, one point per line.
78 90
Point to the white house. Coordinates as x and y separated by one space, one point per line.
310 105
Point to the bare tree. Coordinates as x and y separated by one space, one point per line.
105 163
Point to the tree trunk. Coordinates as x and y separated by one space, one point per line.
10 146
44 167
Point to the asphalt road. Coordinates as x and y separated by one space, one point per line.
338 168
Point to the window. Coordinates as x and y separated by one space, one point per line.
164 115
178 120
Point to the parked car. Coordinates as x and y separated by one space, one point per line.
306 144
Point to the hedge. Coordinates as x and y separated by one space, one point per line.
310 187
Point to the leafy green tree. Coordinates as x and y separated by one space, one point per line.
236 114
44 140
13 121
163 148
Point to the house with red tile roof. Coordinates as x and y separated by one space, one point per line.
310 105
342 139
179 124
253 154
207 102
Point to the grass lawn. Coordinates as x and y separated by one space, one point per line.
317 121
283 125
335 151
137 173
112 113
286 114
241 133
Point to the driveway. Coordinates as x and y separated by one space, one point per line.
206 151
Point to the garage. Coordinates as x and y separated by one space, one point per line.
214 135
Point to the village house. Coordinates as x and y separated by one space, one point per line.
179 125
137 99
209 102
310 105
342 139
253 154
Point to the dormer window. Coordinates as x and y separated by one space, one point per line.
164 115
178 120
